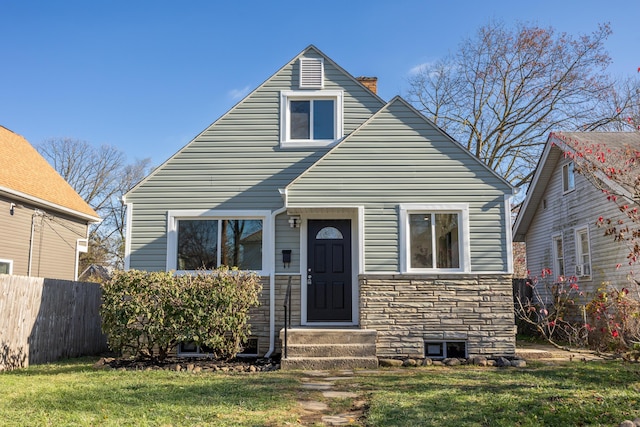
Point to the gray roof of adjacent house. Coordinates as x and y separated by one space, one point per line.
557 144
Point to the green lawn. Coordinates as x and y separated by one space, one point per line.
73 393
575 394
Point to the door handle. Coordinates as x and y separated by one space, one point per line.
309 281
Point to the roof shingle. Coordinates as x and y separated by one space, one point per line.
24 170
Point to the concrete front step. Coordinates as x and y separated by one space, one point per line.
330 336
328 363
331 350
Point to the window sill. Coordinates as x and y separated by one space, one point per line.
259 273
311 143
436 271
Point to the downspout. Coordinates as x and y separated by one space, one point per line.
272 282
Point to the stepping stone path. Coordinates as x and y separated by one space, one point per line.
322 381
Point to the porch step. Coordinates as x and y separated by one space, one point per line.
335 350
328 363
329 348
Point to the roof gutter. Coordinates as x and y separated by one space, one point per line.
60 208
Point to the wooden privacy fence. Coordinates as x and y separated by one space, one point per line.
43 320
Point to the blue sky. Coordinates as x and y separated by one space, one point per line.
148 76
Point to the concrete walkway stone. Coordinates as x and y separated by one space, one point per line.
324 381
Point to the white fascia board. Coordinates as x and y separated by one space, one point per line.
42 202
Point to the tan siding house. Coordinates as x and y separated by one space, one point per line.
44 223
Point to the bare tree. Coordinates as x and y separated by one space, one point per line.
101 176
505 89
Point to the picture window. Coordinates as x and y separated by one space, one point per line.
209 243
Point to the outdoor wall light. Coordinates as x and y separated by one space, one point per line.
12 208
294 221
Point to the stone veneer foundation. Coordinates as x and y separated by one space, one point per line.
409 310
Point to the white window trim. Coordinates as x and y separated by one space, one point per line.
554 252
172 232
357 256
303 95
465 245
570 167
578 249
10 262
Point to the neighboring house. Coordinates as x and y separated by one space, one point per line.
381 221
44 223
558 218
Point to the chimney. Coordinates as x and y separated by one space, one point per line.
370 83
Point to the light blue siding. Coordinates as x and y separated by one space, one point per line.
399 157
236 163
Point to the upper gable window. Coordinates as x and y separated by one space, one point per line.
568 179
310 118
311 73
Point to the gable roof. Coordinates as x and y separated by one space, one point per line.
399 101
304 52
26 174
557 144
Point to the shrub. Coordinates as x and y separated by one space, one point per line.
615 319
552 310
146 314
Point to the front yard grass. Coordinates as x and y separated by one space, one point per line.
73 393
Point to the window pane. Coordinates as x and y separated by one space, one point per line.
197 244
329 233
568 179
420 241
584 247
4 268
323 119
300 113
448 255
242 244
559 256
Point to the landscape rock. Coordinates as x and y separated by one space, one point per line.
393 363
451 361
478 361
627 423
502 362
519 363
427 362
409 363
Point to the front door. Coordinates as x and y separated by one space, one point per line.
329 271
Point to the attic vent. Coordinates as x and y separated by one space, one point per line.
311 73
